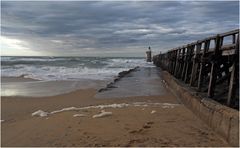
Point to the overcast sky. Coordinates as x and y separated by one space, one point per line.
109 28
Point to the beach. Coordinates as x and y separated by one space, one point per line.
119 74
58 102
79 118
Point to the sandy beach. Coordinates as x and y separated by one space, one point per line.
133 121
119 73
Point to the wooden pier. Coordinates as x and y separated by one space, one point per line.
210 66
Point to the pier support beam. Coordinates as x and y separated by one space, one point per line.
233 81
213 74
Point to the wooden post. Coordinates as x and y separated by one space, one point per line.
202 64
190 54
233 83
171 61
233 38
231 91
184 62
195 64
174 61
177 62
179 69
213 75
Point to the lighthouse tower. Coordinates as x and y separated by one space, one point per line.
149 55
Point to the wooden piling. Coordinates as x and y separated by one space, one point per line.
214 63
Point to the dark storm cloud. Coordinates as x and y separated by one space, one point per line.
106 28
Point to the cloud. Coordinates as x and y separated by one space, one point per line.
106 28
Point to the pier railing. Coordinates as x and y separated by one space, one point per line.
210 66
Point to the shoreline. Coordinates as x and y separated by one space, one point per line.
100 85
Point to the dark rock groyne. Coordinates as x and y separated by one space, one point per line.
120 75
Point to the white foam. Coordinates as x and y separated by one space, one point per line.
113 106
40 113
167 106
120 105
153 111
64 109
102 114
79 115
62 71
129 63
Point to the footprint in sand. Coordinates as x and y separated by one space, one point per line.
136 131
147 125
150 122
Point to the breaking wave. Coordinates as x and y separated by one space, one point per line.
68 68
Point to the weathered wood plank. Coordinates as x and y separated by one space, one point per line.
177 63
233 83
213 74
202 64
185 55
195 64
188 68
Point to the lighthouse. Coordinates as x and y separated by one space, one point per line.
149 55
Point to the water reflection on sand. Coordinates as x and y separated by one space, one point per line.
33 88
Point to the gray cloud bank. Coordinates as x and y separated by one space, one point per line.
113 28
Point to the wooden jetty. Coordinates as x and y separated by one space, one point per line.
210 66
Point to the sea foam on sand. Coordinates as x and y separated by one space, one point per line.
120 105
79 115
40 113
102 114
153 111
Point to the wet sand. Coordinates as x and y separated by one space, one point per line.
19 86
16 79
128 126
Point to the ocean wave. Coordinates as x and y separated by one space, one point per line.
69 68
128 63
62 73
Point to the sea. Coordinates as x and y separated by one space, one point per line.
68 68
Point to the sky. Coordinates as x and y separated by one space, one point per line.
107 28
